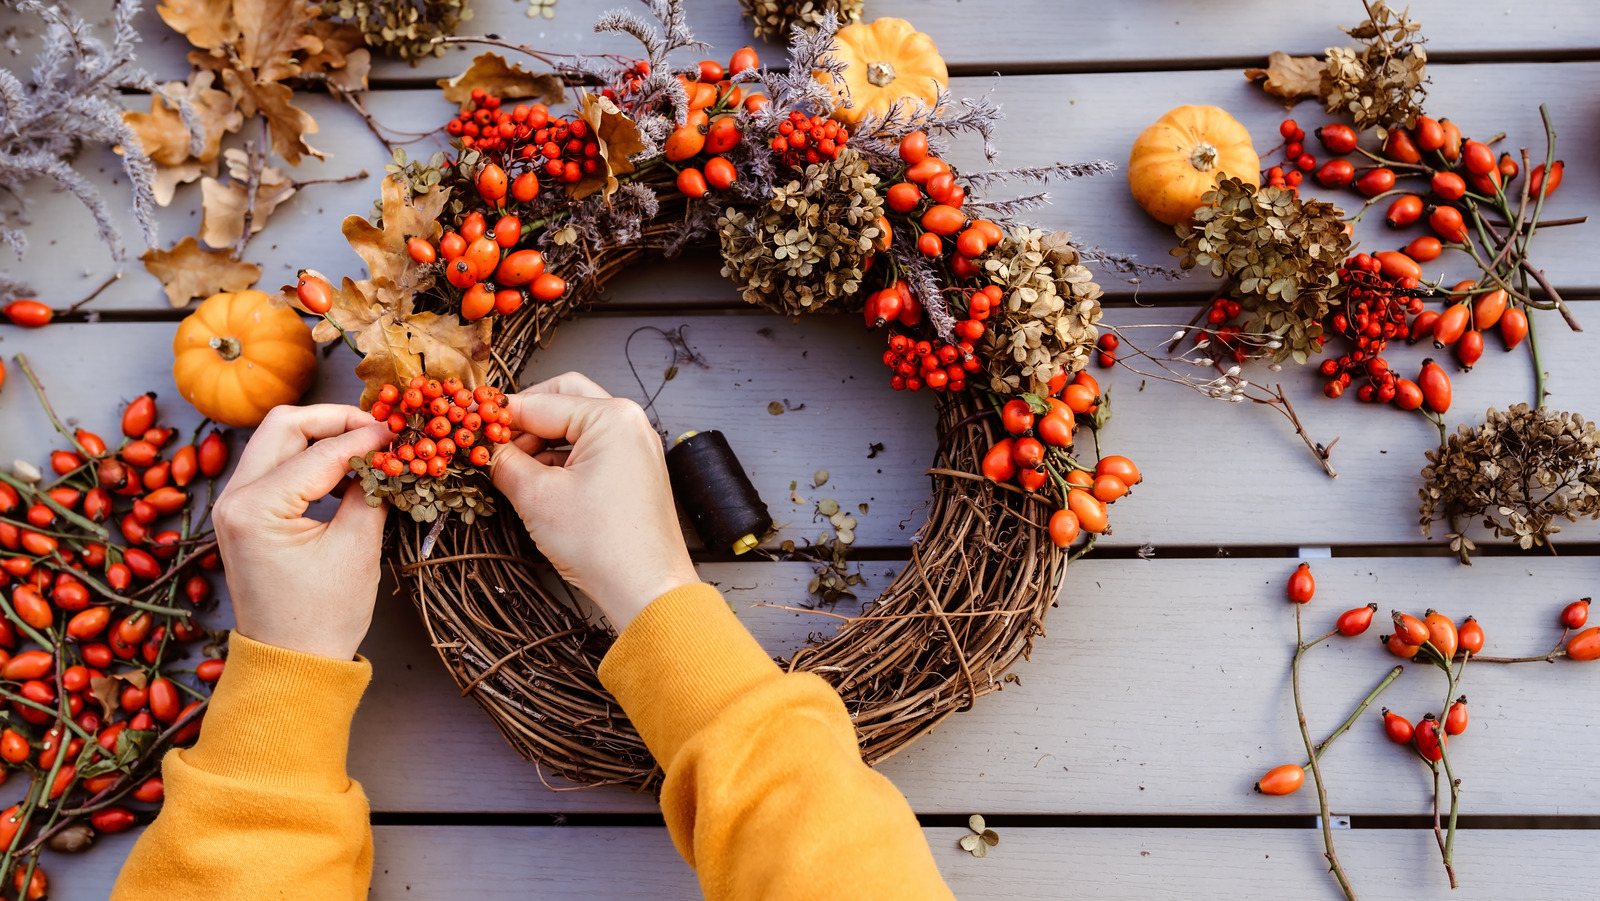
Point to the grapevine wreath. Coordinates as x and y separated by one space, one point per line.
816 206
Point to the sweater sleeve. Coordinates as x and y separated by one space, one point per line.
765 794
261 806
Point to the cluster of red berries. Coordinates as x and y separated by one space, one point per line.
1226 340
803 140
942 367
481 262
1373 311
629 82
564 151
435 421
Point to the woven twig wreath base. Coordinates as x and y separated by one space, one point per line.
983 573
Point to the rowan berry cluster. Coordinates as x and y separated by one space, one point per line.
563 151
1373 310
941 366
803 140
434 421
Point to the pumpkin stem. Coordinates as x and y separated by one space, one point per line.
880 73
227 348
1204 157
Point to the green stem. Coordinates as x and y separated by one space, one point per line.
1316 767
76 519
1356 714
1455 804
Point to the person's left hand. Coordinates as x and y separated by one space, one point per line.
298 583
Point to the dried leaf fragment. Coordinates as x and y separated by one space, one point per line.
188 271
1291 78
494 75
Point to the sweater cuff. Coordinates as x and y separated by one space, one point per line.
681 661
280 718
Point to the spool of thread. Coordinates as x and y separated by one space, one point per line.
716 493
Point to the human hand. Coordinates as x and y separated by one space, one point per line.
298 583
601 511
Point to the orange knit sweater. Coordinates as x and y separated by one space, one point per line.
765 792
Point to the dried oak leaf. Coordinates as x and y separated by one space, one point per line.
223 206
107 690
400 343
404 216
619 140
188 271
1292 78
494 75
180 156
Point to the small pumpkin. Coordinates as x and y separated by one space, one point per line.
238 356
1183 155
885 61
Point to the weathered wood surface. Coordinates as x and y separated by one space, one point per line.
1161 688
1215 474
1049 118
443 863
980 35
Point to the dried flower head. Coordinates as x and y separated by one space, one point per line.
1046 323
1521 471
806 248
1380 83
462 491
1281 255
403 29
774 19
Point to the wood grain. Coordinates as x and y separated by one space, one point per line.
977 35
441 863
1049 118
1162 688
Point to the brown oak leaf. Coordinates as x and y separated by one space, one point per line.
619 140
167 178
494 75
224 204
384 250
107 690
399 343
188 271
166 138
1292 78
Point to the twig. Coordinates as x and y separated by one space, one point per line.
92 294
1283 406
1316 767
1360 709
257 161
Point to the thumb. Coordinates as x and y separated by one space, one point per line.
521 478
357 522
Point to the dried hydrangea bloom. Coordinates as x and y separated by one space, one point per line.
806 248
775 19
1045 325
1521 471
1380 84
1280 253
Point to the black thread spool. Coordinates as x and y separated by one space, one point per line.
716 493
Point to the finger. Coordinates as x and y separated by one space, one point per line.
311 474
575 383
519 476
553 416
529 444
288 430
556 458
358 523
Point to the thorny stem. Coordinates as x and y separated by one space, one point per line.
1455 803
1316 767
1558 651
1282 405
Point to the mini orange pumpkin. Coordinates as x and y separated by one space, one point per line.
238 356
1182 156
885 61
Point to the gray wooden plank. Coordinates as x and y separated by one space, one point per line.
1049 118
1162 688
973 34
627 863
829 364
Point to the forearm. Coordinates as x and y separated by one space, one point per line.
765 795
261 806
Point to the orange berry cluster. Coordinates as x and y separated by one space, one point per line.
942 367
564 151
437 420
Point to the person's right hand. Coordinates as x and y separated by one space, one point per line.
601 512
